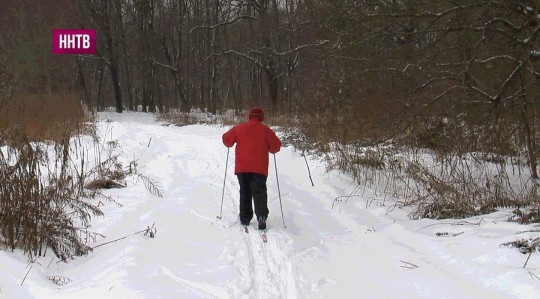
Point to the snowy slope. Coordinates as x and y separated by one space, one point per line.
354 248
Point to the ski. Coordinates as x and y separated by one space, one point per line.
262 233
263 236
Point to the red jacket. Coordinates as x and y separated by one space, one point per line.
254 141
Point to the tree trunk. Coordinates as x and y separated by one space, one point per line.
113 67
128 87
82 82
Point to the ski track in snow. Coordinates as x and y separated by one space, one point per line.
266 270
269 270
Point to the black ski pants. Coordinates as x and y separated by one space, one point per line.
253 186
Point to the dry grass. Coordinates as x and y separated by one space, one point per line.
41 117
228 118
47 190
43 203
195 117
40 205
439 166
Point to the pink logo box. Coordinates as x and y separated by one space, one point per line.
74 41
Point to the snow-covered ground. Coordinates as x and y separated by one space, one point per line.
353 248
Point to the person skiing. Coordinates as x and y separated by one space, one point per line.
254 141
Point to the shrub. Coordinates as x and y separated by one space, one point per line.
40 205
440 166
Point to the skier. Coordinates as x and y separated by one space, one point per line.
254 141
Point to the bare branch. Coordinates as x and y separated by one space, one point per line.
507 82
496 57
234 52
155 62
242 17
298 48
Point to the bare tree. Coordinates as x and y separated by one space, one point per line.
102 14
267 47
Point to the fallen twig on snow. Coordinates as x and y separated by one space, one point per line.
50 262
533 276
468 222
454 223
151 231
340 199
528 257
447 234
408 265
528 231
26 275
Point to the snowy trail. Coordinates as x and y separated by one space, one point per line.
262 267
268 271
347 249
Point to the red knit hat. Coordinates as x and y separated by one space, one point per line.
257 113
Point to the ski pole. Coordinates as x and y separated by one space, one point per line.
224 178
279 192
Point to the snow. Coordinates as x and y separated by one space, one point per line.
362 247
